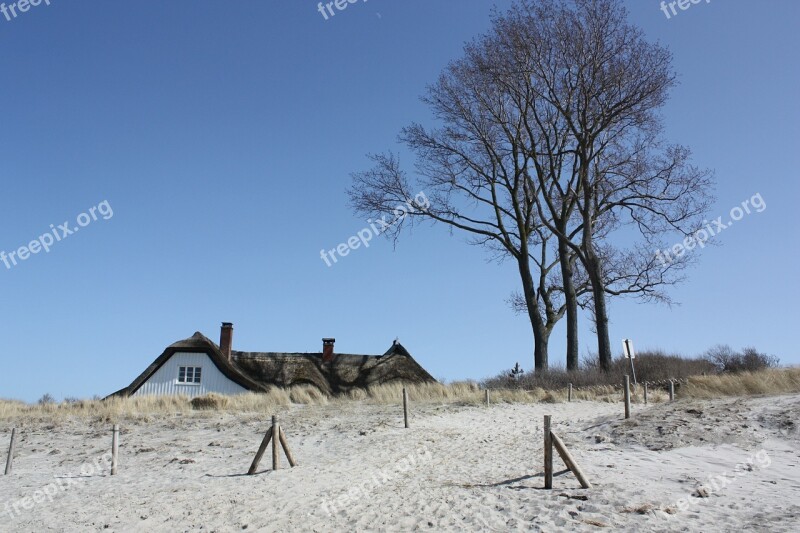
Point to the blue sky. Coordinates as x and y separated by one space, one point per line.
222 135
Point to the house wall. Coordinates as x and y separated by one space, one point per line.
165 380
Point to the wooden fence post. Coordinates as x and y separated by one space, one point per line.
276 431
487 397
671 390
11 446
645 393
548 454
278 438
569 393
405 407
114 449
627 396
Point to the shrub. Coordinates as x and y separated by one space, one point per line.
650 366
47 399
726 360
211 401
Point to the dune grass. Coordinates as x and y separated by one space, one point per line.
768 382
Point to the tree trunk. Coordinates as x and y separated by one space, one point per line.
594 269
600 310
571 303
541 336
540 356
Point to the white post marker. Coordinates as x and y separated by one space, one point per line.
627 345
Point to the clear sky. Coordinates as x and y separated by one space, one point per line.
222 136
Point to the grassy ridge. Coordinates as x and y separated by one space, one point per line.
767 382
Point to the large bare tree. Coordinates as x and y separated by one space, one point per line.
593 87
548 144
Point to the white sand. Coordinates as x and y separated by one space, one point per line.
457 468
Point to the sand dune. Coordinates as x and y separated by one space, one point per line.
457 468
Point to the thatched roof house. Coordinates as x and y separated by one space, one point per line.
197 366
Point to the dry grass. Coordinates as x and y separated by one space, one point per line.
769 382
766 382
307 395
141 407
463 393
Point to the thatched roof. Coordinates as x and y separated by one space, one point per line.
258 371
345 372
197 343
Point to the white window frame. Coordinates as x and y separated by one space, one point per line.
196 372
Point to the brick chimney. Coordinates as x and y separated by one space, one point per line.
327 350
226 339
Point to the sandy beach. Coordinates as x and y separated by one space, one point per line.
457 468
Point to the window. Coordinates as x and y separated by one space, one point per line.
189 374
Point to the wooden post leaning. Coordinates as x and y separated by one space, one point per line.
405 407
627 396
286 450
548 453
569 461
278 438
114 449
260 453
12 445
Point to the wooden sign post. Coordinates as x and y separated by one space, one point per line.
627 397
627 345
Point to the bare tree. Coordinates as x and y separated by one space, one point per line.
592 87
549 143
470 172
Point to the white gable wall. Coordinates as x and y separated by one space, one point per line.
165 380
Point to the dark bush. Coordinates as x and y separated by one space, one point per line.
650 366
726 360
47 399
209 402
